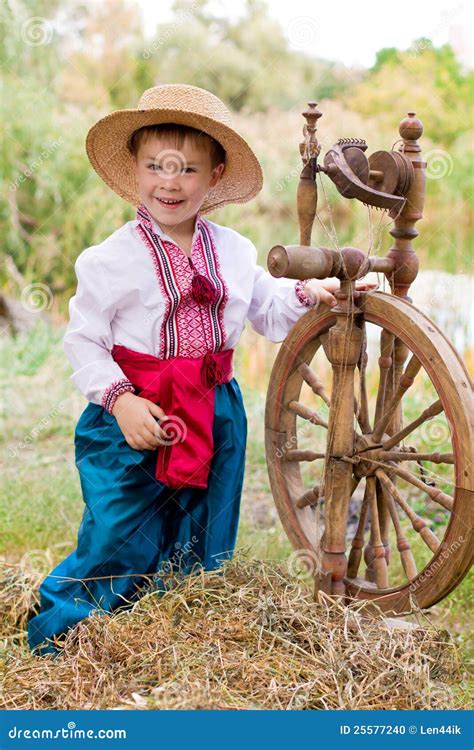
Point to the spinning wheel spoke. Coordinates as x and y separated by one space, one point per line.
406 381
435 494
403 546
375 550
432 411
314 383
363 409
435 458
385 363
312 498
384 520
419 525
355 555
305 413
302 455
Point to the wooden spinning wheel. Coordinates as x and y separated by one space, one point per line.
370 411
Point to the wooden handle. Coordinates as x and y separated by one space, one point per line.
299 262
306 204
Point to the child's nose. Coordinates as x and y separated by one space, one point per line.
170 181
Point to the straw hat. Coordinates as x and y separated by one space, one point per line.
106 142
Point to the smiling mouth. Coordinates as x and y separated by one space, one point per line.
169 202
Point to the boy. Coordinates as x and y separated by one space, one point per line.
160 305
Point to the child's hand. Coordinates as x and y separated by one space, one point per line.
135 416
321 290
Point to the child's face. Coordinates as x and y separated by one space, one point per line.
184 176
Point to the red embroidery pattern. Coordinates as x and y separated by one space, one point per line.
304 298
170 302
211 269
189 329
113 391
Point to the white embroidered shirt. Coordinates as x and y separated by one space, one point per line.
129 293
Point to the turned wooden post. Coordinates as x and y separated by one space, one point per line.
342 347
307 195
404 257
405 261
405 270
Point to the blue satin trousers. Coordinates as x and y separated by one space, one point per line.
133 525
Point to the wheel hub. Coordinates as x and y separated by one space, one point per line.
363 443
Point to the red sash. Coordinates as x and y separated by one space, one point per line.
184 388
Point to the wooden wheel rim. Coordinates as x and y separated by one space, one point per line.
451 562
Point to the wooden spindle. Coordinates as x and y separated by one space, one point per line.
378 559
307 195
343 349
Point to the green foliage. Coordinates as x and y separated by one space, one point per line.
53 205
247 62
424 79
385 56
25 353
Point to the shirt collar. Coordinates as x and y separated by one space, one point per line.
163 236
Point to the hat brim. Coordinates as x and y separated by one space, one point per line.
106 146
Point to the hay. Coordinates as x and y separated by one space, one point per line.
18 595
247 636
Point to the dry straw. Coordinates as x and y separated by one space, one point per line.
18 594
247 636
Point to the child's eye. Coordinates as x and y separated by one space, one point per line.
158 166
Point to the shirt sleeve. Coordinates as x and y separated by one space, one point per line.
277 304
88 339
